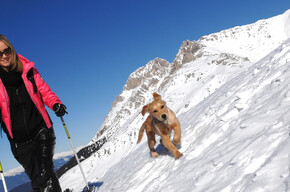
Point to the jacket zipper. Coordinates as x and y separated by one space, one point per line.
30 92
23 110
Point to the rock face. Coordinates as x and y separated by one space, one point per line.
188 52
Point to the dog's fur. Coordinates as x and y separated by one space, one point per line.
161 121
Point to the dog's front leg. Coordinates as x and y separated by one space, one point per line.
151 144
169 145
177 133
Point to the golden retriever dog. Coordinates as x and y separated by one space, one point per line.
161 121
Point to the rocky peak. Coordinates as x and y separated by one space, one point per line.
154 69
188 52
140 83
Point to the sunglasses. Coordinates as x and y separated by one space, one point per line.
6 51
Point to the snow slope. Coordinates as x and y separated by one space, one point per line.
238 139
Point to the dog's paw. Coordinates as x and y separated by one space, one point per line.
178 146
177 155
154 154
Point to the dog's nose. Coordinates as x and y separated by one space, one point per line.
163 116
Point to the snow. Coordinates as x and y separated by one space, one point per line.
226 148
265 34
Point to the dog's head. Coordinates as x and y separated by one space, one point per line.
157 108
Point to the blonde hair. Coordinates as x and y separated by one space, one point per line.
15 62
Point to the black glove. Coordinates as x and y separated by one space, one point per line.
59 109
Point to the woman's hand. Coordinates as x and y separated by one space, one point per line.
59 109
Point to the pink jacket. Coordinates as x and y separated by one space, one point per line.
43 96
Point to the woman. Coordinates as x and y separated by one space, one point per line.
23 117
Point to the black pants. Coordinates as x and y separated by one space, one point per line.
36 157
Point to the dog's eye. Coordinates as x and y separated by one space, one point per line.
155 111
162 106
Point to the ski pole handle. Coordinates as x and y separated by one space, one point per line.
64 125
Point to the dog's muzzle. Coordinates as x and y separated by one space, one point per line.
164 117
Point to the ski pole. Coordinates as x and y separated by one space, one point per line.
71 144
3 179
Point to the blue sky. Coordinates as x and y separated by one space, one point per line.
86 49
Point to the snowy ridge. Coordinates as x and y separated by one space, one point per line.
233 114
253 40
14 171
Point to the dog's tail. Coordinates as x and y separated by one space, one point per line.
141 133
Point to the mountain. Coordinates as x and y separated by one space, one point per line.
237 48
230 91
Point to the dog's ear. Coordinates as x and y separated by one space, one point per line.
145 109
156 96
